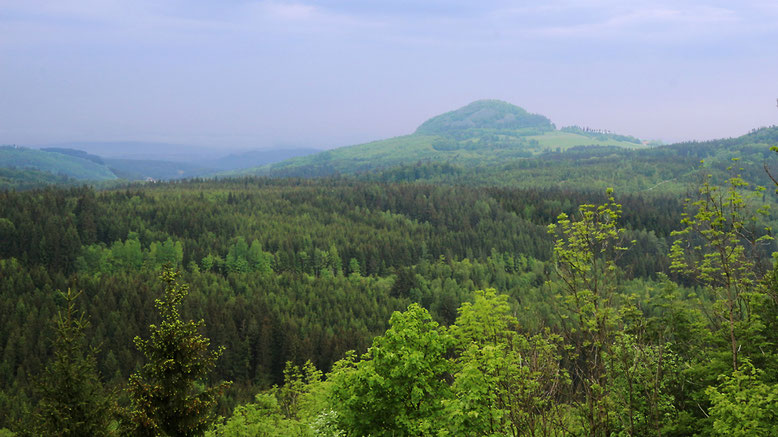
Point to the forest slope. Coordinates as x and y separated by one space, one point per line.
25 168
668 169
55 163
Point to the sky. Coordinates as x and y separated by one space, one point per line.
241 74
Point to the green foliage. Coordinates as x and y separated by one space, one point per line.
641 379
585 252
744 405
294 409
72 402
263 417
25 179
129 255
168 395
717 246
480 377
395 389
505 383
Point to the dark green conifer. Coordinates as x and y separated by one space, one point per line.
169 395
73 402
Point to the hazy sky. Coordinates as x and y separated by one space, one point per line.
236 73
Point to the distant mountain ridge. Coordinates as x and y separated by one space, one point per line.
142 150
77 153
487 142
23 167
255 158
482 133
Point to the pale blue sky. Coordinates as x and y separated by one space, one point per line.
253 74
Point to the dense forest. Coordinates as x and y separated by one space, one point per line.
378 306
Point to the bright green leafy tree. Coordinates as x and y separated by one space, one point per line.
505 382
744 404
294 409
717 246
397 387
585 252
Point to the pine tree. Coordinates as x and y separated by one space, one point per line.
169 395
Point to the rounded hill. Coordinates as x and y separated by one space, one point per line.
487 115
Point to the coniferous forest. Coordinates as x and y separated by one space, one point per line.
351 306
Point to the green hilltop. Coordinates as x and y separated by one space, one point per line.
483 116
482 133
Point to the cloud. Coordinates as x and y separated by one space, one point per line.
290 11
283 17
648 22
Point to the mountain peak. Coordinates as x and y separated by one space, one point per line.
484 114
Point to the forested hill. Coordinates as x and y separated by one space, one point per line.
56 162
490 115
482 133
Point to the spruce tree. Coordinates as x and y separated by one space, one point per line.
72 401
169 395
